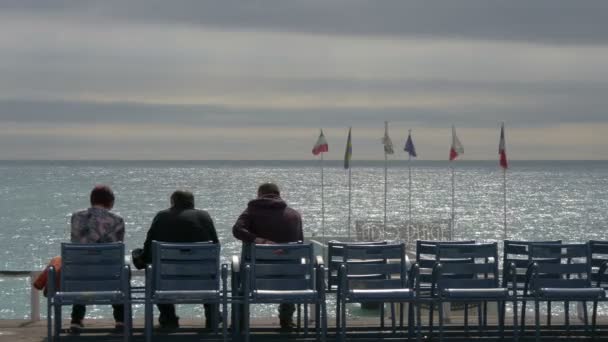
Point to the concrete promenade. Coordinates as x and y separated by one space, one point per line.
191 330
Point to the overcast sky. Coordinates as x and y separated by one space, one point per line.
256 79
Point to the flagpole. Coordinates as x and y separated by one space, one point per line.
453 200
350 193
409 171
322 202
385 191
504 178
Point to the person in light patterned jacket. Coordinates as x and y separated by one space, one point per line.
97 225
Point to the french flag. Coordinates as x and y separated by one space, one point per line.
321 145
456 149
502 150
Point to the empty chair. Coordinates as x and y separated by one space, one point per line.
518 254
90 274
426 257
376 274
471 275
284 273
185 273
567 279
335 258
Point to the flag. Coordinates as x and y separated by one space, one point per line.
409 146
502 150
456 149
349 151
386 140
320 145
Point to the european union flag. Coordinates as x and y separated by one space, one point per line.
409 146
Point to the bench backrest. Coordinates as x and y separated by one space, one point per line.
375 266
185 266
599 256
518 253
335 258
426 256
561 265
282 267
468 266
92 267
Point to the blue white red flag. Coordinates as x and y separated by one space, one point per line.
321 145
456 149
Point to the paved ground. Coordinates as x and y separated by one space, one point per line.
100 330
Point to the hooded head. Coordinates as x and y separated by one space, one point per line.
269 190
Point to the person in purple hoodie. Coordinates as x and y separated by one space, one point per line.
268 220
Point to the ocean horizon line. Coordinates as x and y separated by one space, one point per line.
299 160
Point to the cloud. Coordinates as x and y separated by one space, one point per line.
256 79
541 21
289 142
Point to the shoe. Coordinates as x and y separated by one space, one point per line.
287 325
119 328
220 319
168 324
76 328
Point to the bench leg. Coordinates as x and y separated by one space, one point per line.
537 319
57 331
440 312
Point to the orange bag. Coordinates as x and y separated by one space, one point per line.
41 281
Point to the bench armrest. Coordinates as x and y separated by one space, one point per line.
235 274
601 272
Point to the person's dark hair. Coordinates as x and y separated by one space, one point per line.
182 200
102 195
268 189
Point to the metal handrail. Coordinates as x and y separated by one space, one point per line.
35 293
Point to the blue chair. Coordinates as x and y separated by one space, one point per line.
567 279
471 275
90 274
285 273
377 274
335 258
237 288
518 254
426 258
185 273
599 263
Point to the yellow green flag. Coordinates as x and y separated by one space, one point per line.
349 151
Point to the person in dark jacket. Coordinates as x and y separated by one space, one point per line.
268 220
180 223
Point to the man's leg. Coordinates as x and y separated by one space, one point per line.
167 317
211 312
286 315
118 312
78 312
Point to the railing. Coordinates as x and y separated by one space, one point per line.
35 293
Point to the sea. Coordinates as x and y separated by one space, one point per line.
565 200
